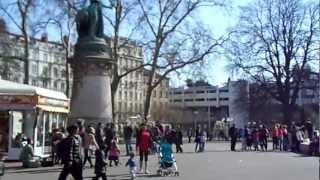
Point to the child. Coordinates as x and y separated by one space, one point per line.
132 165
114 153
203 140
100 168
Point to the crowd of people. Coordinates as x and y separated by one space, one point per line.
75 147
284 138
102 142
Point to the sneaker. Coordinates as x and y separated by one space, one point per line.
141 171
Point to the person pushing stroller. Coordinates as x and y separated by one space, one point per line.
168 164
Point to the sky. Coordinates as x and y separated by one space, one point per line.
218 20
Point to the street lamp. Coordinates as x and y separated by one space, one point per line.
194 119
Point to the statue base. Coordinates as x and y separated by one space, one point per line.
91 91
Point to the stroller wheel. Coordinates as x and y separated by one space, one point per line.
176 173
159 172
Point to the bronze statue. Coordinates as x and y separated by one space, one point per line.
89 21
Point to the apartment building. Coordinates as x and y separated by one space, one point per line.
47 61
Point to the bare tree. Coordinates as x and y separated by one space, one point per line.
19 13
173 39
117 13
273 43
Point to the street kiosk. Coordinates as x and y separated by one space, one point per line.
31 112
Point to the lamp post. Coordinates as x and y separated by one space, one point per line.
194 119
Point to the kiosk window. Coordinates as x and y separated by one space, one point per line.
22 127
40 131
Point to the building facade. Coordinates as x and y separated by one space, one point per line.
205 104
159 105
47 61
47 69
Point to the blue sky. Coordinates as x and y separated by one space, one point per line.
218 20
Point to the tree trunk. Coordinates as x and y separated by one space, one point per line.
147 103
26 62
114 87
67 78
287 113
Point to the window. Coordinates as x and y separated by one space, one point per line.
177 92
200 99
154 93
34 82
55 72
177 100
212 99
212 91
62 86
120 95
119 106
188 92
22 124
34 69
200 92
160 94
188 100
223 99
136 96
63 73
223 90
45 57
45 83
55 85
131 96
125 96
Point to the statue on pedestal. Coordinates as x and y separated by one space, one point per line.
90 21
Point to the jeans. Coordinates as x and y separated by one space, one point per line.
128 146
87 157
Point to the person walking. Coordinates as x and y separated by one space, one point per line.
114 153
263 135
89 146
275 137
109 135
99 134
197 139
100 167
281 137
189 134
179 140
127 133
234 135
285 138
71 159
300 138
143 145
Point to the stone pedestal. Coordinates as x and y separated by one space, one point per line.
91 91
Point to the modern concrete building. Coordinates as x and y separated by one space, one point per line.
205 104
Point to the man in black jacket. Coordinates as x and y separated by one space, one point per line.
233 133
127 132
71 159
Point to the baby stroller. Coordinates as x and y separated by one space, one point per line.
167 163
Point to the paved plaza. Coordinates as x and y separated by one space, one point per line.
217 163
